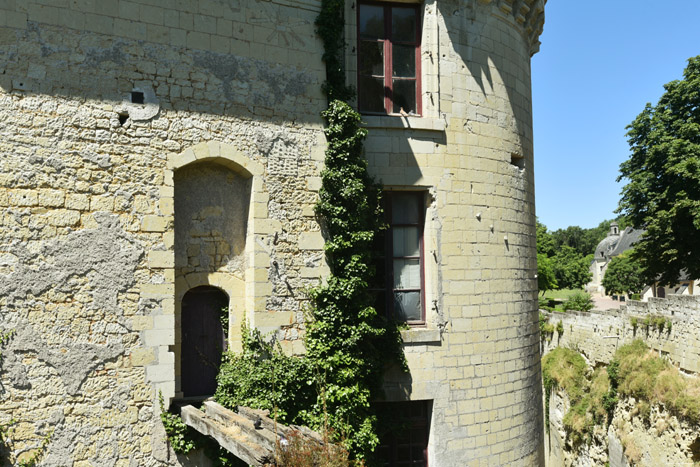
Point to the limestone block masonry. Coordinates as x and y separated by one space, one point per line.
148 148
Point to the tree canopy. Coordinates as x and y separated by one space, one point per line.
662 194
546 280
571 269
623 275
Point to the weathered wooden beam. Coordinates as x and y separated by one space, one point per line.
262 436
250 434
234 439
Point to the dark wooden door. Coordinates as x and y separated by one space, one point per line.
202 340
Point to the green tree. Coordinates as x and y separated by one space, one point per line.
623 275
546 280
571 268
545 242
572 236
662 194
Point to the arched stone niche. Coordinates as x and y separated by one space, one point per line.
219 209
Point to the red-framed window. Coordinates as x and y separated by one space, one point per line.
404 433
399 288
388 58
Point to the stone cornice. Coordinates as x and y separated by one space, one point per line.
528 14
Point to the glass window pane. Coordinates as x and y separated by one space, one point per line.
404 96
407 306
406 274
405 207
371 58
371 22
404 61
406 241
371 94
403 24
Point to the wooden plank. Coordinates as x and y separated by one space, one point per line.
234 439
262 436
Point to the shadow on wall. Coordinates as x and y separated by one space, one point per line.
135 74
474 45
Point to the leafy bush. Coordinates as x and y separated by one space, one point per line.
580 301
263 377
176 430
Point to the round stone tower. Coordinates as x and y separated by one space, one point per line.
469 149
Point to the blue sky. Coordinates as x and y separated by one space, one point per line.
600 62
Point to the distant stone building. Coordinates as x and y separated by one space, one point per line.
161 161
617 243
613 245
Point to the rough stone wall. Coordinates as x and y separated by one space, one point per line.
87 240
663 439
599 333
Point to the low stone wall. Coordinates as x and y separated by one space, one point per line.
597 334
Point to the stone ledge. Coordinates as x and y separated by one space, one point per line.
403 123
420 336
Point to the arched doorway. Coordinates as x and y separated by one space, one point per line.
203 339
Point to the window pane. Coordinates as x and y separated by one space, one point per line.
371 22
403 24
406 274
404 95
404 61
371 94
371 58
407 306
406 242
405 207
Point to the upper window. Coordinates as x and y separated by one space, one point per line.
400 275
389 58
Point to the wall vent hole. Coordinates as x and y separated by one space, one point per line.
123 117
136 97
517 160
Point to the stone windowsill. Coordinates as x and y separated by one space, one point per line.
420 336
403 123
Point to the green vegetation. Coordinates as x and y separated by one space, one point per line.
590 409
565 369
651 322
623 275
546 329
349 343
262 376
579 301
560 294
652 380
546 279
634 372
663 180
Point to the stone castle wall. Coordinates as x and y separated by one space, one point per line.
108 220
599 333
